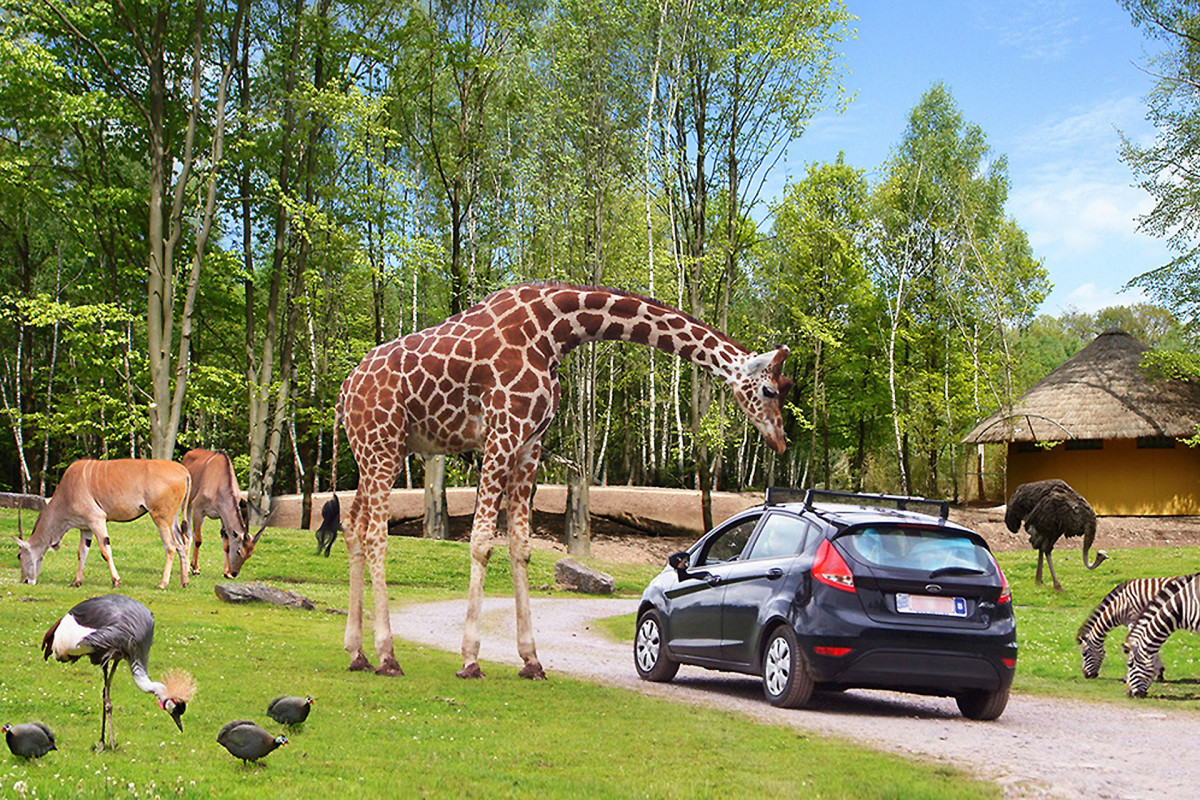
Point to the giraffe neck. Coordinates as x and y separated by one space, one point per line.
578 315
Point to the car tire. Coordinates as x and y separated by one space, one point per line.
650 650
982 705
786 682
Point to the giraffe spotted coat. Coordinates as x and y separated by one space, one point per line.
487 379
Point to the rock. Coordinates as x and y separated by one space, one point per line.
261 593
572 575
27 502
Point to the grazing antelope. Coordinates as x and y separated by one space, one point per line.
215 495
93 493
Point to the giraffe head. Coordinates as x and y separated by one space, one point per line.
760 389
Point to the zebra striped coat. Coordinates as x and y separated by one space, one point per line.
1121 606
1175 607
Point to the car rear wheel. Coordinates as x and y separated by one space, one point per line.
785 682
982 705
650 650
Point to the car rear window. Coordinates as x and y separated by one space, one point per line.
916 548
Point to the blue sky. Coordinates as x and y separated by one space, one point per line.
1050 82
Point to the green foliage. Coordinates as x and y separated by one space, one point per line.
425 734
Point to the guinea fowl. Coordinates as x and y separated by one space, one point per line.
289 710
247 741
109 629
31 740
1051 509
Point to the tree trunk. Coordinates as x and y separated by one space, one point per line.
578 522
437 519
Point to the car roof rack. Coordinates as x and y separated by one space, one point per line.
777 495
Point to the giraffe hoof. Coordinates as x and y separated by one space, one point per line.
360 664
470 671
389 668
75 584
533 671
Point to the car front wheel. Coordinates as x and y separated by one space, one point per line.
982 705
785 682
650 650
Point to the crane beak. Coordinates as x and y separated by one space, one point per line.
177 713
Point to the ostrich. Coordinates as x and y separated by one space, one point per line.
247 741
108 629
1051 509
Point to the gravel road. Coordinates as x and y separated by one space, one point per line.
1038 748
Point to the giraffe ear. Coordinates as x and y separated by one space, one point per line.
757 363
772 359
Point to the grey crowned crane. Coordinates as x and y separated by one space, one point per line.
247 741
109 629
31 740
289 710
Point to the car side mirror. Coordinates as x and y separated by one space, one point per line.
680 562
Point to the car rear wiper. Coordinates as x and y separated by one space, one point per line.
937 573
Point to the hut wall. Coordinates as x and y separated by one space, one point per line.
1118 479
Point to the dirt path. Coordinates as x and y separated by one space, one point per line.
1039 748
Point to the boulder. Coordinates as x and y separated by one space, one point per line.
570 574
28 502
261 593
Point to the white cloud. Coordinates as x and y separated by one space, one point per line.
1089 297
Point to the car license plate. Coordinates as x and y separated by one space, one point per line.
929 604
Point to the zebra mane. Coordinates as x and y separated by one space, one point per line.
1100 608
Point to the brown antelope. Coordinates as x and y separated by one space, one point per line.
215 495
92 493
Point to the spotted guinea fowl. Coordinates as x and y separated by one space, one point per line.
289 710
1051 509
30 740
247 741
109 629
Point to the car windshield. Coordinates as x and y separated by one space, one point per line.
939 550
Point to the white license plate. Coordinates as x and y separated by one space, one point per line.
929 604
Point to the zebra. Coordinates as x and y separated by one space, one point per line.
1121 606
1174 608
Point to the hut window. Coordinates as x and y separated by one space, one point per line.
1085 444
1155 443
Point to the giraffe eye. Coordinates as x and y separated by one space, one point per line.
769 393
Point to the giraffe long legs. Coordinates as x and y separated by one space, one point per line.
520 493
482 532
366 543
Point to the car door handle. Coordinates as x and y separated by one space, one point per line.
774 573
714 580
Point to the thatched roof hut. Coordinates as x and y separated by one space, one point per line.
1116 428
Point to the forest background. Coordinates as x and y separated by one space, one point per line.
209 212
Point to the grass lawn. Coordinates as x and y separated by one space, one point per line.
427 734
1047 621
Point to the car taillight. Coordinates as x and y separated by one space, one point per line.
830 568
837 652
1005 591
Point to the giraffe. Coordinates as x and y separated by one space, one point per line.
487 379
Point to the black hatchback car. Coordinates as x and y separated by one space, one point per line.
826 590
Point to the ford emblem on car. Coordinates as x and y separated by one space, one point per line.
932 588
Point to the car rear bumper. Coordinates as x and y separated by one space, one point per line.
929 664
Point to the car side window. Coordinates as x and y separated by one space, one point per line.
781 535
729 544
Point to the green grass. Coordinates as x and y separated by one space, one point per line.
427 734
1047 621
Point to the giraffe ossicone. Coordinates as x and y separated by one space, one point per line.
487 379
